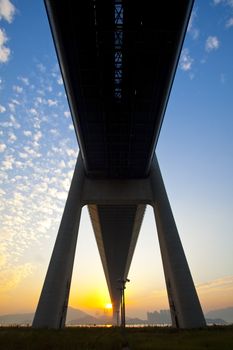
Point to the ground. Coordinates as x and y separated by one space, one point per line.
144 338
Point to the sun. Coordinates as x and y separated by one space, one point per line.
108 306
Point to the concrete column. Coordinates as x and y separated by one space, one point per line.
52 307
116 315
185 307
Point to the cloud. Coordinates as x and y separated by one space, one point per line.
17 89
31 205
186 60
27 133
41 67
7 10
225 2
59 80
2 109
212 43
24 80
67 114
229 3
10 277
192 29
211 293
12 137
2 147
52 102
37 136
217 284
4 51
8 162
229 23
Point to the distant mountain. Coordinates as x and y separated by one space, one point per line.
225 314
86 320
216 321
73 314
16 319
76 317
19 319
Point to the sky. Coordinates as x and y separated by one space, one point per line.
38 151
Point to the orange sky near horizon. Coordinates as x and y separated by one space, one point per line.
20 287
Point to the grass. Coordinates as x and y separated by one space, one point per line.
147 338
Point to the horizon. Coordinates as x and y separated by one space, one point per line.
38 150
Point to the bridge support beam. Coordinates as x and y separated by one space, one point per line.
52 307
184 304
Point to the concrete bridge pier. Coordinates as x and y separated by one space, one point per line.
52 307
184 304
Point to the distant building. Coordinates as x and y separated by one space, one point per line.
161 317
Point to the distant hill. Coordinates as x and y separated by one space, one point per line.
86 320
27 318
225 314
73 314
216 321
78 317
18 319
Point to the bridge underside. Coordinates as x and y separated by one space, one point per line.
118 60
116 230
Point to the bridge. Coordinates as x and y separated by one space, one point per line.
118 59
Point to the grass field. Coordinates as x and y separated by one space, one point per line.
148 338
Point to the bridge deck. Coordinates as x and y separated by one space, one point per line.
118 60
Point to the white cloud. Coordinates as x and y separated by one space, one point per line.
186 60
11 107
66 184
27 133
62 164
23 155
33 111
212 43
71 152
2 147
14 122
12 137
229 22
37 136
52 102
54 132
7 10
18 89
4 51
67 114
41 67
24 80
192 29
225 2
8 163
2 109
60 81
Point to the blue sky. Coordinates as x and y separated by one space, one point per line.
38 150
